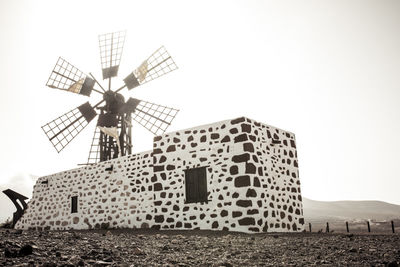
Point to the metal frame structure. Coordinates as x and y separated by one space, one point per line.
115 114
20 204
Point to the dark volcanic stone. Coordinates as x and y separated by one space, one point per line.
247 221
250 168
242 181
157 187
241 138
244 203
158 168
236 214
248 147
233 170
171 148
238 120
241 158
26 250
9 253
246 128
251 193
214 136
226 139
159 218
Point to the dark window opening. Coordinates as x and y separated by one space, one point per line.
276 141
111 168
45 182
196 185
74 204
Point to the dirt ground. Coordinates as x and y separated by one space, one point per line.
195 248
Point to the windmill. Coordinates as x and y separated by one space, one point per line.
112 136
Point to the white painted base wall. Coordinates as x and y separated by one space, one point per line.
252 185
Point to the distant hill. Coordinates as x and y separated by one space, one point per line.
349 210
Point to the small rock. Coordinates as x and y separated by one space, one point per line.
10 253
102 263
108 259
26 250
392 264
138 251
93 252
352 250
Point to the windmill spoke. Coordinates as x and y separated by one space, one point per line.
91 75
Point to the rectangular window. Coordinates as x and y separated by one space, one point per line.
196 185
74 204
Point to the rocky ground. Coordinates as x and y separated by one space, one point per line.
195 248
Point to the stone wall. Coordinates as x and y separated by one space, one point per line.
120 198
252 184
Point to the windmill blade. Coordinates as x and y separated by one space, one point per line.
62 130
153 117
69 78
111 46
130 105
157 65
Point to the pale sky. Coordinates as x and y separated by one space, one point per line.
328 71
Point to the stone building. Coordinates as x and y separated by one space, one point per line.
235 175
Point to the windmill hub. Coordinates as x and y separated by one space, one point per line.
112 137
114 101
